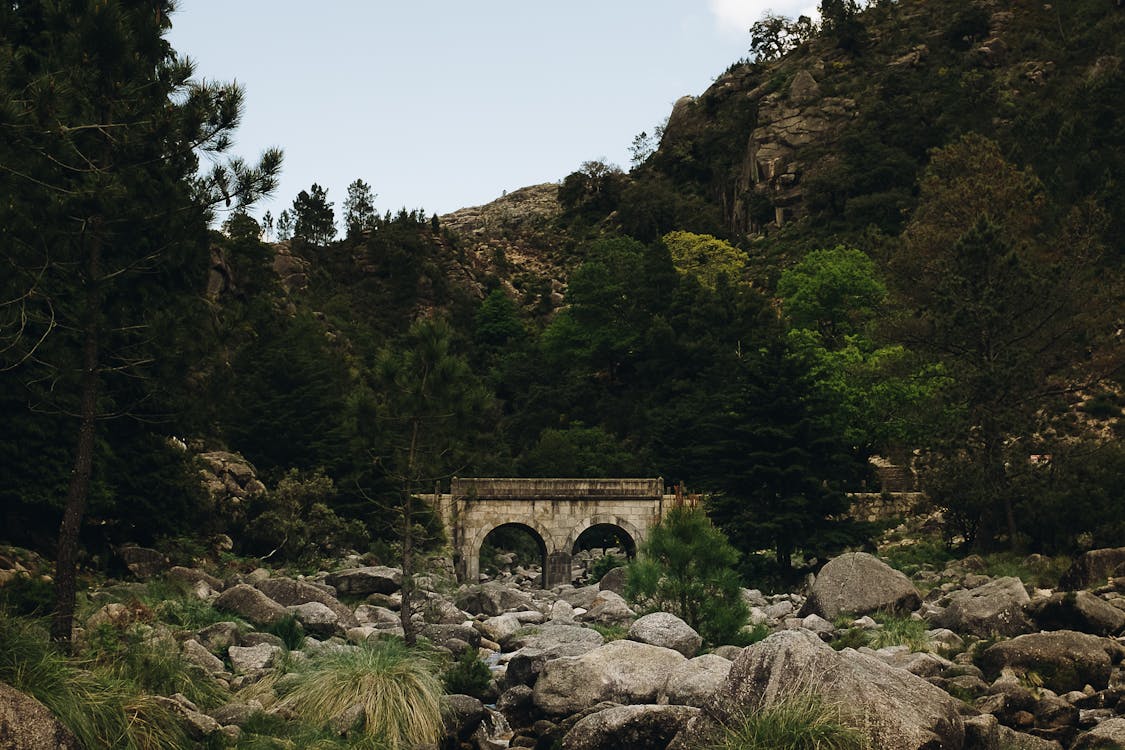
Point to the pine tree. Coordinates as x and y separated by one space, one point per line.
314 221
104 220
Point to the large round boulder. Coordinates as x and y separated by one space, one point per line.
26 724
372 579
696 681
1077 610
898 710
858 583
621 671
250 604
609 609
994 608
1094 567
667 630
634 727
492 599
289 593
1063 659
1109 735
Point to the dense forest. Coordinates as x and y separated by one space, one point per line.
895 233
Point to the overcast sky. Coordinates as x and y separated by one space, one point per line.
441 104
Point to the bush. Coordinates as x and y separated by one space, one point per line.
685 567
396 690
294 522
800 722
469 675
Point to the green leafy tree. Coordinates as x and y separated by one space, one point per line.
705 257
429 414
833 292
359 209
686 567
105 216
579 451
314 220
773 36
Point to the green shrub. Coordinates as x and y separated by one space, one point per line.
800 722
27 596
469 675
686 567
396 689
289 631
750 635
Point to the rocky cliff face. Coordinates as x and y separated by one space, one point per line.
515 239
787 121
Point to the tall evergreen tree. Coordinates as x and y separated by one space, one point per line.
359 209
428 415
314 221
103 226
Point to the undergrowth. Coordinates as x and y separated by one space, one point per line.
800 722
101 707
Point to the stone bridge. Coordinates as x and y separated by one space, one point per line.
554 511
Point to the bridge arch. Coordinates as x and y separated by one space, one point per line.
636 536
539 535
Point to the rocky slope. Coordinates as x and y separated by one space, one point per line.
998 666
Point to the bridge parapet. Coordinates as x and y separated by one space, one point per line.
555 489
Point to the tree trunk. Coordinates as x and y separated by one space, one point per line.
78 488
406 610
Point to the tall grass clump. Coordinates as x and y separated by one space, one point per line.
394 691
899 631
101 709
803 721
153 665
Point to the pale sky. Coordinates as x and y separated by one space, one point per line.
442 104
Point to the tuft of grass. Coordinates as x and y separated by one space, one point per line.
290 631
851 638
270 732
396 689
609 632
1038 571
910 558
799 722
899 631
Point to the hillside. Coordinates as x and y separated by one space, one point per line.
897 234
